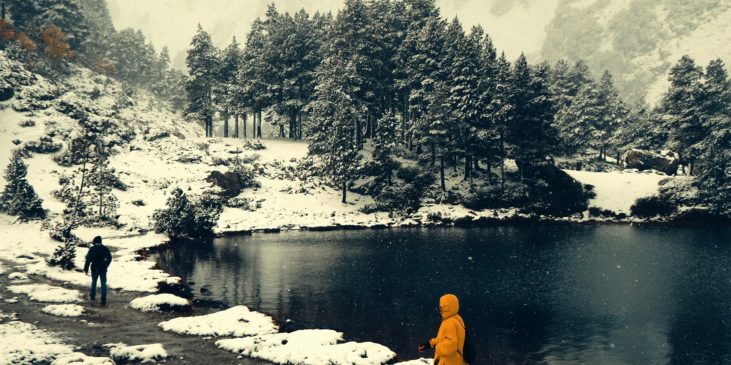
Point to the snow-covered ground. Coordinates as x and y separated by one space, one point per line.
165 153
237 321
64 310
617 190
308 347
155 303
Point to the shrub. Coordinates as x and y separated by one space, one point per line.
254 146
44 145
404 198
138 203
19 198
554 192
183 218
233 182
494 197
652 206
64 256
603 213
27 123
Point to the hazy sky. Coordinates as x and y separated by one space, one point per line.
516 25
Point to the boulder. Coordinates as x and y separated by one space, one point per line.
666 161
6 93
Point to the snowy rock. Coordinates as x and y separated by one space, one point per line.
308 347
47 293
161 302
120 352
63 310
23 343
18 277
77 358
236 321
422 361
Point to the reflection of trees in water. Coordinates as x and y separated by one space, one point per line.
700 329
183 255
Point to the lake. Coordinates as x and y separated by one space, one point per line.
548 294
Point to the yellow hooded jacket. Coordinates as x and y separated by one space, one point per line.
449 343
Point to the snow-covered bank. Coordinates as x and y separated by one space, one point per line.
618 190
237 321
309 347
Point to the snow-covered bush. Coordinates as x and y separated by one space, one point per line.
184 218
64 256
652 206
492 197
254 146
18 198
44 145
27 123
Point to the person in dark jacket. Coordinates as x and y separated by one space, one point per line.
99 259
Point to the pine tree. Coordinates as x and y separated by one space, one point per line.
581 132
501 109
332 127
18 198
178 216
530 133
384 146
33 15
227 78
611 110
682 105
101 182
202 62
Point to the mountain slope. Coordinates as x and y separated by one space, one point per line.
639 40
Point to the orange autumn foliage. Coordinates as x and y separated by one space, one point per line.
6 31
26 43
56 46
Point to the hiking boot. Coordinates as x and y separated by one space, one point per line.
92 298
104 301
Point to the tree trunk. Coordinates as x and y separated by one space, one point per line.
489 171
441 172
243 124
502 161
281 130
258 128
236 129
467 166
368 125
345 192
299 125
2 16
225 124
389 173
405 119
433 154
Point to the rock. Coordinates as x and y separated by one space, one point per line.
667 162
6 93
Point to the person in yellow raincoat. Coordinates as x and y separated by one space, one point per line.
449 343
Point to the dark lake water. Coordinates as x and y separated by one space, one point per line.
531 295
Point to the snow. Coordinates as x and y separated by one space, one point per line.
63 310
47 293
236 321
308 347
24 343
153 303
77 358
422 361
142 353
617 191
18 277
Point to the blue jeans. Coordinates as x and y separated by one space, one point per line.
103 276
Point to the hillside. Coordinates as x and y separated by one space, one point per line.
639 40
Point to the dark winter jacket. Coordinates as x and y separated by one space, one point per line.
98 257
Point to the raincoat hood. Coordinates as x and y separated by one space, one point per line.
449 305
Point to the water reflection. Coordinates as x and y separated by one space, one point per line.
532 295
